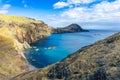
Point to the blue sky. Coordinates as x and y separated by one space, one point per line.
99 14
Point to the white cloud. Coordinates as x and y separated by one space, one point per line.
104 11
3 11
5 8
73 13
102 15
60 5
68 3
80 1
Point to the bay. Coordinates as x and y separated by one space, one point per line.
56 47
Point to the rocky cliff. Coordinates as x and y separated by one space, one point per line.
15 35
99 61
69 29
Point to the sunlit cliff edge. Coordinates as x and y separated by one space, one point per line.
15 35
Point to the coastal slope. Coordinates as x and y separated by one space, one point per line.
68 29
99 61
16 33
11 62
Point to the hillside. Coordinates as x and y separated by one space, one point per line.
68 29
15 35
99 61
11 62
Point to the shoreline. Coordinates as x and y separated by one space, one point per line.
26 47
30 67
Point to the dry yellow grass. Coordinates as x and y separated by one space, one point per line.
11 62
17 19
15 34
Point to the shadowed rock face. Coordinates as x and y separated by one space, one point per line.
69 29
99 61
15 35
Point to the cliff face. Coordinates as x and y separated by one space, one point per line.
99 61
69 29
15 35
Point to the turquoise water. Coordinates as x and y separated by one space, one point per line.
41 54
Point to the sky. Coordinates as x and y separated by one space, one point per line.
89 14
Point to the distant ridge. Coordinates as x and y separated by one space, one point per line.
69 29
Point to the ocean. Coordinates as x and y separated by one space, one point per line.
56 47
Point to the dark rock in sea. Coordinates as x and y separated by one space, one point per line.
69 29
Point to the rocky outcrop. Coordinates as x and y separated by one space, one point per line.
69 29
99 61
15 35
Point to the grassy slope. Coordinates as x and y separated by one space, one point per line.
15 34
99 61
17 19
22 28
11 63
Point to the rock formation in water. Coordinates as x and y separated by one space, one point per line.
69 29
99 61
15 35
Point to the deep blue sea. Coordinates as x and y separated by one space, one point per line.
58 46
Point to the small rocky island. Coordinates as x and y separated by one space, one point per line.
68 29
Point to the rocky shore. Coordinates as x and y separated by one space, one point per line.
99 61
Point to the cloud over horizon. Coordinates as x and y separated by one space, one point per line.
89 11
68 3
100 14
